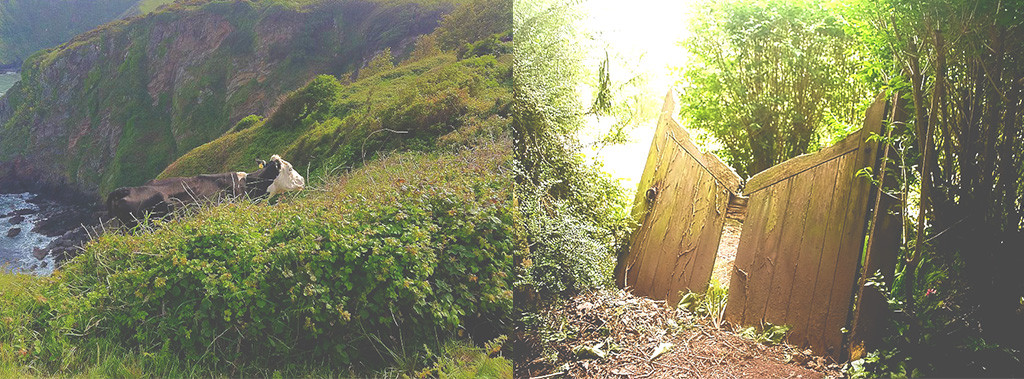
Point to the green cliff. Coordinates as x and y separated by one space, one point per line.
116 105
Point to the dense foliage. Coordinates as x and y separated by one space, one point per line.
402 253
571 217
771 80
955 73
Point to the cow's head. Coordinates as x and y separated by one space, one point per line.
274 177
287 178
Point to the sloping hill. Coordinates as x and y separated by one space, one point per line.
114 106
401 243
433 102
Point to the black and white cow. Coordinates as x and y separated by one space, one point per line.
161 197
274 177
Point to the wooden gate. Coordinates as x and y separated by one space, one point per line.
683 207
800 245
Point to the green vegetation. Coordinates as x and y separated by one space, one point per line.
390 263
146 6
128 109
398 255
326 126
771 80
572 217
956 293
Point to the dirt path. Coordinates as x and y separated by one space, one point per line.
628 330
727 252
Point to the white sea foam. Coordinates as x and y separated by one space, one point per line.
16 252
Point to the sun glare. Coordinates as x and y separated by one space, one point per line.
642 37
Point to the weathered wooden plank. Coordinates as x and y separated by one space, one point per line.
722 172
806 271
639 256
746 250
675 267
687 252
802 163
768 256
853 234
789 250
829 255
652 248
663 247
709 240
705 232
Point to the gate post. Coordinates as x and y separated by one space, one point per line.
869 314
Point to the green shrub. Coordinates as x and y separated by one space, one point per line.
322 90
247 122
405 252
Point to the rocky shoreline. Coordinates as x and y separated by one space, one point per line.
70 223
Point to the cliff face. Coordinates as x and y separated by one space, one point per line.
30 25
114 106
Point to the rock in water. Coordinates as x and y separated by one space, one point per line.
14 232
26 211
16 220
39 253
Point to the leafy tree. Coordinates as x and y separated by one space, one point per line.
472 22
956 70
768 80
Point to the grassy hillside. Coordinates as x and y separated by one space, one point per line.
442 95
116 105
146 6
396 260
417 240
410 106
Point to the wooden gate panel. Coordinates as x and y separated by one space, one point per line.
682 200
828 257
854 230
766 255
670 250
806 271
758 205
815 198
794 227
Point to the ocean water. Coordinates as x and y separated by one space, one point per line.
16 252
7 80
